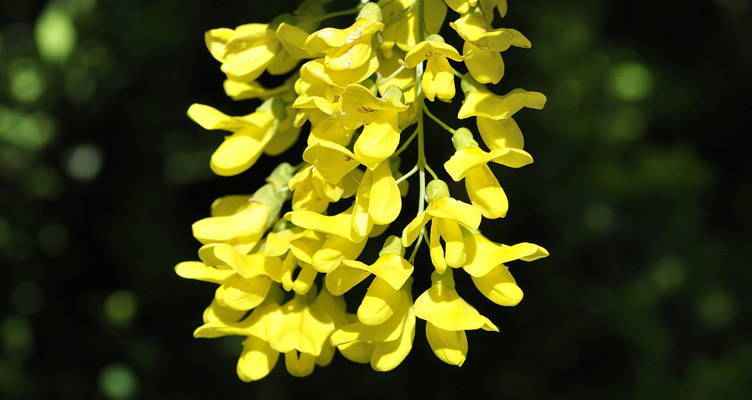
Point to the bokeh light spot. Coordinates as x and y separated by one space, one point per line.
55 35
120 307
631 81
84 162
26 131
716 309
668 274
27 83
118 382
16 334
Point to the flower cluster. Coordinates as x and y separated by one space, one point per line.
282 261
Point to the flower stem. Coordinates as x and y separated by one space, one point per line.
439 121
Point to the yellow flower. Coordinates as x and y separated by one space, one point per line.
447 318
483 46
402 23
242 220
470 163
311 191
250 135
358 87
482 103
438 78
391 272
244 280
301 329
257 358
248 50
485 264
384 346
447 216
379 116
302 245
245 51
349 48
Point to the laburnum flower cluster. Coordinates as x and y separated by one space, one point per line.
282 261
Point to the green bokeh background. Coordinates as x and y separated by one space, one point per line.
641 191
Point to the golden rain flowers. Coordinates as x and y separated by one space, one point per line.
283 261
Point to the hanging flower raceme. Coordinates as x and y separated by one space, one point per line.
288 258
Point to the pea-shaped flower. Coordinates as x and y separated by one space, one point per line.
391 271
447 318
438 78
486 265
470 163
448 217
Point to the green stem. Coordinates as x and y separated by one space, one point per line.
407 143
439 121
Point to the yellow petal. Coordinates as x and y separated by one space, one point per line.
391 268
438 80
499 286
435 12
361 223
454 243
378 141
283 138
299 364
389 331
243 294
333 161
334 250
500 134
484 255
358 352
256 361
428 49
293 40
435 249
488 105
443 307
229 205
472 27
248 64
202 272
449 346
239 151
379 303
486 193
338 225
327 355
512 158
486 66
210 118
216 41
385 202
344 278
413 229
389 355
246 224
305 279
349 58
449 208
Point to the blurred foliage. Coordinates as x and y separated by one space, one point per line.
640 190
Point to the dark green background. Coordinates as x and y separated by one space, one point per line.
640 190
